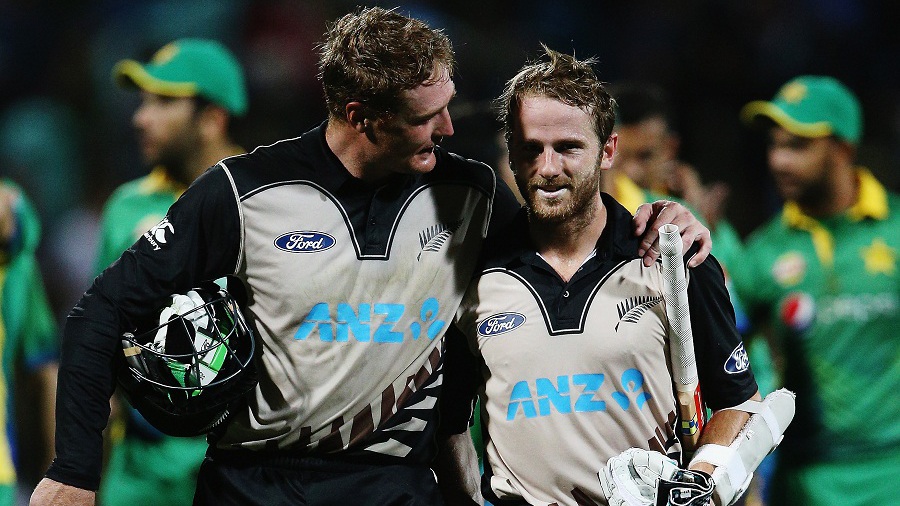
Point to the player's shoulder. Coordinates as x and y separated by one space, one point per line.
305 157
453 168
769 234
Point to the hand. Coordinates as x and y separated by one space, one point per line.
49 492
639 477
632 477
663 212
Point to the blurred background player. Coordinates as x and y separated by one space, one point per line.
28 336
647 164
190 92
823 277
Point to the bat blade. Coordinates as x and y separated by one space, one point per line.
681 341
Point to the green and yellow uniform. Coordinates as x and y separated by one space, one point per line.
146 467
830 290
28 331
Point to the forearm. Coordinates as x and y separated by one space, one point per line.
721 429
47 375
85 384
456 468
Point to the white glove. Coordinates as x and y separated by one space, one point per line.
632 477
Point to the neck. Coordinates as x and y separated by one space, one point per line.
565 245
208 155
351 148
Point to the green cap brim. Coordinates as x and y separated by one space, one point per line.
131 74
761 108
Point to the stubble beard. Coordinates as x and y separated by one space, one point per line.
575 212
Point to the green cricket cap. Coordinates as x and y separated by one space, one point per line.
811 106
189 68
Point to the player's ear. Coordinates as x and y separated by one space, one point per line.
358 116
213 120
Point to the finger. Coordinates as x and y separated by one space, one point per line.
705 241
641 215
652 253
696 233
649 246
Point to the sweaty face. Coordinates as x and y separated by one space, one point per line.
405 140
643 150
556 156
800 165
167 131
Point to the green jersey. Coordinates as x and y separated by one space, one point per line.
831 292
143 462
28 332
134 208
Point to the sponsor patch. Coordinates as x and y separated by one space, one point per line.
797 311
304 242
500 324
156 236
738 361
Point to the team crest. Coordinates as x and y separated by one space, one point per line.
789 269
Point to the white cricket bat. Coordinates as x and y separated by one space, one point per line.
681 340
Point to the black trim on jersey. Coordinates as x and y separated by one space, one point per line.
371 211
549 319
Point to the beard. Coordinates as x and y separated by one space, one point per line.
175 157
811 193
575 205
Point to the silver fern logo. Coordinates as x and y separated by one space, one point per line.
631 309
434 237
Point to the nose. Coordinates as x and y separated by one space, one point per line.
445 125
139 118
779 159
547 165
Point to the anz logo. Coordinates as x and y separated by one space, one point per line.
340 322
500 324
575 393
304 242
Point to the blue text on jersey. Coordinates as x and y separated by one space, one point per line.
338 323
572 393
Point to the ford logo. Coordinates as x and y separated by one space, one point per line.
738 361
500 323
304 242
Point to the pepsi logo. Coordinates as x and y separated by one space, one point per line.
500 324
798 311
738 361
304 242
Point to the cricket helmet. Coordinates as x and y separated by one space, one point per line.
188 370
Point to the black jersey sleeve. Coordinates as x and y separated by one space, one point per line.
724 373
198 240
462 378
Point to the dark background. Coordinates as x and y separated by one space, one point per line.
65 131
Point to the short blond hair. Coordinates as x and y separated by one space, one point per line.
564 78
374 54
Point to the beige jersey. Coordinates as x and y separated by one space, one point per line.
574 373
